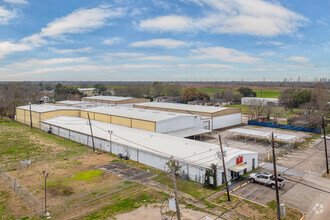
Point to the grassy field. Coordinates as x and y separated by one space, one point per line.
260 93
267 93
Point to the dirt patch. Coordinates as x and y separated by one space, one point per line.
152 212
62 179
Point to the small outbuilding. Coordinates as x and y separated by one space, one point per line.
42 112
196 159
213 117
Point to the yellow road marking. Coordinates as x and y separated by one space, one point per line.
237 197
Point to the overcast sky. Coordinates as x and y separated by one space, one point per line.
164 39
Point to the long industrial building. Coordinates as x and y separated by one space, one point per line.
213 117
150 120
113 100
41 112
154 149
75 104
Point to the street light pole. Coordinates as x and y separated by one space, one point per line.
45 176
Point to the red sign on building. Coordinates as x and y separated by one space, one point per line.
239 160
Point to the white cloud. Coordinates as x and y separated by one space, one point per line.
268 42
224 54
167 43
298 59
267 54
7 47
158 58
79 21
113 41
167 23
18 2
69 51
123 55
253 17
35 63
6 15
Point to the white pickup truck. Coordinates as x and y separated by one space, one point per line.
266 179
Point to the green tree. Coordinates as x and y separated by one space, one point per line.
247 92
191 94
173 90
100 88
157 89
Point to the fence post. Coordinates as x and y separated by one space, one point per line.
15 185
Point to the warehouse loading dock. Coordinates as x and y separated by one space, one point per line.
213 117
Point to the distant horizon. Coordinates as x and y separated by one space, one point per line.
163 40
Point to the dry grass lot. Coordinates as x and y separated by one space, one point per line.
71 166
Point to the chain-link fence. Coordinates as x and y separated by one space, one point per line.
23 193
86 200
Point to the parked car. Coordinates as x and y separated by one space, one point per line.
326 137
266 179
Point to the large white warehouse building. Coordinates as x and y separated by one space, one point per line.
150 120
213 117
154 149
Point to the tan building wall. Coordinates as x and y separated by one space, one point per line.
23 116
121 121
146 125
102 117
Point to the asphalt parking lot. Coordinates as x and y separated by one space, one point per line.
125 171
257 192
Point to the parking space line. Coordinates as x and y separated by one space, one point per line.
250 200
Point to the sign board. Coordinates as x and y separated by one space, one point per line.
26 162
239 160
171 203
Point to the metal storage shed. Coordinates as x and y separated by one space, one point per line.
151 120
41 112
213 117
153 149
112 100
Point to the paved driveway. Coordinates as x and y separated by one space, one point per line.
259 193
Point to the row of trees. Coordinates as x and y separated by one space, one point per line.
310 100
16 94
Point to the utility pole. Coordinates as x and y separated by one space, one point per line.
90 126
30 115
224 167
110 133
173 169
275 178
325 145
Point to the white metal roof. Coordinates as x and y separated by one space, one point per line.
69 102
262 134
46 108
142 114
185 107
109 98
188 132
185 150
